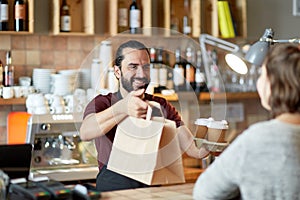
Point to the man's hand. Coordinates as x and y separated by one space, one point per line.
134 105
187 143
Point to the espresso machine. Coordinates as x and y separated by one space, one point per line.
58 152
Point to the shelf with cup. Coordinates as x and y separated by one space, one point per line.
205 96
13 101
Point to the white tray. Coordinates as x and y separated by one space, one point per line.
210 146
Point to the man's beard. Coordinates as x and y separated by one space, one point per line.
128 84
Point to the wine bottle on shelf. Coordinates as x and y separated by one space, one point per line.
154 73
8 72
163 72
200 75
135 17
187 29
174 21
65 17
1 73
178 72
189 70
122 16
170 83
20 15
4 15
215 75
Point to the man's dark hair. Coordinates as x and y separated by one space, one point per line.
129 44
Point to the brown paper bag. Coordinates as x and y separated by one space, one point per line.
147 151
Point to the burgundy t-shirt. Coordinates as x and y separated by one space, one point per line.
102 102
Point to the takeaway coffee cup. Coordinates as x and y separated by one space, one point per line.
201 124
216 131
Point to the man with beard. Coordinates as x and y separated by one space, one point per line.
105 112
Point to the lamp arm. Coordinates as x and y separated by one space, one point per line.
217 42
205 60
222 44
258 50
294 40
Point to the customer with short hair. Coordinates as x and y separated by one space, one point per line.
264 161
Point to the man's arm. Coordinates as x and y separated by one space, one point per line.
98 124
187 144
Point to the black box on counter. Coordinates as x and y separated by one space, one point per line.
27 191
56 189
43 190
51 190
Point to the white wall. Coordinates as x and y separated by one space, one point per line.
275 14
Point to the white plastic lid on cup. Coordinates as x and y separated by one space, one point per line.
203 121
218 124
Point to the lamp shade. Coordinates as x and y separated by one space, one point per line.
257 52
235 62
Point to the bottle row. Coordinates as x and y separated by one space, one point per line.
13 15
7 71
186 74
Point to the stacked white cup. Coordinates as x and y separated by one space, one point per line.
57 104
37 104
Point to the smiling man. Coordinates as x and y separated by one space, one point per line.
103 114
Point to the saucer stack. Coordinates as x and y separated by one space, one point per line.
41 79
84 78
73 76
61 84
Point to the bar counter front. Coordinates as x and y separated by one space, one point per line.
174 192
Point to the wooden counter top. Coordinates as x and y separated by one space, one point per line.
178 192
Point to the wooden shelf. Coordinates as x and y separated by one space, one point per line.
173 97
206 96
13 101
15 33
229 96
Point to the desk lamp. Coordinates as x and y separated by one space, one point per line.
233 59
258 51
